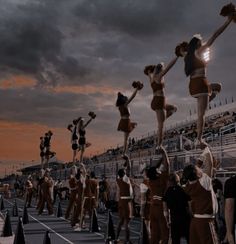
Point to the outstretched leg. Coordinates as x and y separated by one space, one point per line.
216 88
202 104
170 109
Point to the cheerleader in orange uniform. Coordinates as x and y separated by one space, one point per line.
125 125
163 110
196 60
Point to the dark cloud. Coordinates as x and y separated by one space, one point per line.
135 18
31 41
104 43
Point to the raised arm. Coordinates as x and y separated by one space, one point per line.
205 161
132 96
85 125
169 66
165 159
217 33
83 170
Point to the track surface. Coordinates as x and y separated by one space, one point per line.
60 229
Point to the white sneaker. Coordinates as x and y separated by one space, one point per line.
77 228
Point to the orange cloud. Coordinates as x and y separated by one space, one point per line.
86 89
17 81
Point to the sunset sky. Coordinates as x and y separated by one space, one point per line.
61 59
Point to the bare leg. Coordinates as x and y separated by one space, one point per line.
81 153
161 116
126 136
74 156
202 104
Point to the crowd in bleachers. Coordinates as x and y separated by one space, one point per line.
188 131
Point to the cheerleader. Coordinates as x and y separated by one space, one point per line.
125 125
42 150
196 60
163 110
82 139
74 138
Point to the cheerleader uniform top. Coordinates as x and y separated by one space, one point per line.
157 88
198 66
124 111
82 133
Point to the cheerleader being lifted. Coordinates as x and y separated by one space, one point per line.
125 124
82 139
156 76
196 59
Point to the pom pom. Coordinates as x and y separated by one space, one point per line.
69 127
137 84
182 47
92 115
228 10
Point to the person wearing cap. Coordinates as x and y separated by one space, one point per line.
196 59
203 204
73 191
158 179
125 203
